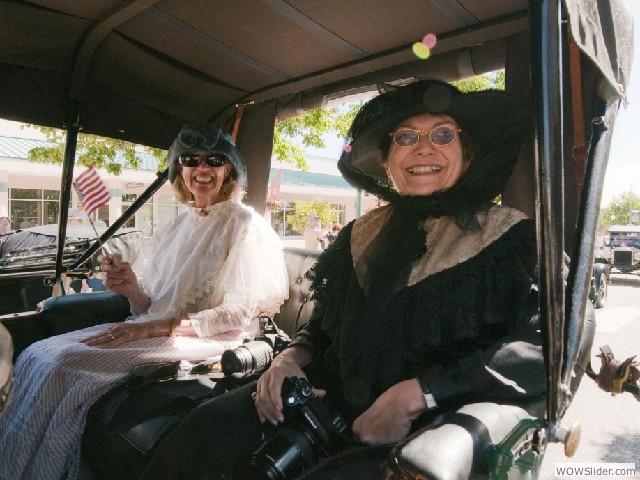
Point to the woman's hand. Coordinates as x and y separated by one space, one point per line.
120 333
268 396
119 277
389 419
182 328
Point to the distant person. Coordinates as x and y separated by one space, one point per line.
5 225
24 223
333 233
313 234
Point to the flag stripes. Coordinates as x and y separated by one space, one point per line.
92 191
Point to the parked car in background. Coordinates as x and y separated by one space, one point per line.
28 260
622 250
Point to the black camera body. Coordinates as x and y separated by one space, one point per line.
309 431
256 355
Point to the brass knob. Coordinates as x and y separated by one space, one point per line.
570 438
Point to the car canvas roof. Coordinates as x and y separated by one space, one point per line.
141 69
624 229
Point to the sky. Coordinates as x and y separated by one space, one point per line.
623 171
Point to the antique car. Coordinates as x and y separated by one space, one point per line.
624 248
28 261
138 70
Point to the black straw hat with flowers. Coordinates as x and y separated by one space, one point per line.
494 120
209 139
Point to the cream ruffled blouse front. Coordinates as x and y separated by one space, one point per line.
222 269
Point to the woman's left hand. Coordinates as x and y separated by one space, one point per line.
120 333
389 419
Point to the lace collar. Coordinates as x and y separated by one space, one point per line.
204 212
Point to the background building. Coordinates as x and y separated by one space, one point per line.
31 191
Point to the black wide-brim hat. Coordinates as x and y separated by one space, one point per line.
210 139
495 121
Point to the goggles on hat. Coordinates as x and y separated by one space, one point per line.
439 136
212 160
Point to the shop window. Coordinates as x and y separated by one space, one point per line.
280 219
167 208
30 207
338 213
143 218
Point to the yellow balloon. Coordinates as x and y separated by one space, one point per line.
421 50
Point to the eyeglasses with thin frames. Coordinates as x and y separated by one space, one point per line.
212 160
439 136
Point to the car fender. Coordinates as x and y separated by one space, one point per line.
598 270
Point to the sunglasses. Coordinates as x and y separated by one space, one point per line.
212 160
439 136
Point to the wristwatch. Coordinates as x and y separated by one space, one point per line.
426 393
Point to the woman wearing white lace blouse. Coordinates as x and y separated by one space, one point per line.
211 267
197 287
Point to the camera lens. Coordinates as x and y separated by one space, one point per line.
286 455
248 358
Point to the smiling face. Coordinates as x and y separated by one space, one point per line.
424 168
205 182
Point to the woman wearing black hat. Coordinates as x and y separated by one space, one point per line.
421 305
205 276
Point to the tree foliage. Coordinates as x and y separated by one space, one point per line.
298 217
293 135
618 211
101 152
487 81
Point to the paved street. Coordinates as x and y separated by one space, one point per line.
610 425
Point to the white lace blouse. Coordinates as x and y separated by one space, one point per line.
223 270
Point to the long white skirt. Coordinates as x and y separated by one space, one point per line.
57 380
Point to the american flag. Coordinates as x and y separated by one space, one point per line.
92 192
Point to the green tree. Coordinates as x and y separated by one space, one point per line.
481 82
100 152
617 212
293 135
298 218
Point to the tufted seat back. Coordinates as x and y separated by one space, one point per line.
297 309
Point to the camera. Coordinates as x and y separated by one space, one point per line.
256 355
309 431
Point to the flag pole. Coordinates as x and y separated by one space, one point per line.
93 194
103 247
